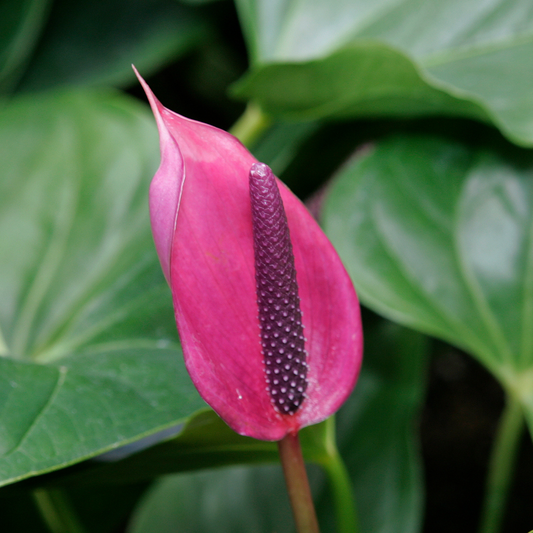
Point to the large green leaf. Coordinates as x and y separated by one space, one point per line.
345 58
91 356
376 438
89 42
438 235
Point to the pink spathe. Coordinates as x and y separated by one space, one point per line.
202 226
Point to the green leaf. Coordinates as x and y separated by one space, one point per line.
96 43
205 441
378 430
438 235
342 59
280 144
91 356
376 438
236 500
20 25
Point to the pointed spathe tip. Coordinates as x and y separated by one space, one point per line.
155 104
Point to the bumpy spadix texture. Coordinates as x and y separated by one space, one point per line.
201 218
280 317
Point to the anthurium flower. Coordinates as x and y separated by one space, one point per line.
202 223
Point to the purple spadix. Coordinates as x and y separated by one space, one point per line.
280 316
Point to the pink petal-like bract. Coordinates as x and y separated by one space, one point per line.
201 219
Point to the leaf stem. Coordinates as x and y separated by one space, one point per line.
341 485
293 464
501 466
251 125
4 350
56 511
345 512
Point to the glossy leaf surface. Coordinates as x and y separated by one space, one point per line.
395 58
437 235
91 357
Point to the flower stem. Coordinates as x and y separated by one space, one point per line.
56 511
340 482
501 466
292 461
251 125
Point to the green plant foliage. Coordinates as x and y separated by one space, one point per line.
437 235
343 59
203 442
91 357
377 431
20 26
95 43
236 500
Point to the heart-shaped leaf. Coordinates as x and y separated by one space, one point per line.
342 59
91 357
437 235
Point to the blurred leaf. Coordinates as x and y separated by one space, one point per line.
280 144
100 511
376 438
236 500
437 235
20 25
107 509
96 42
342 59
196 2
92 359
20 515
378 431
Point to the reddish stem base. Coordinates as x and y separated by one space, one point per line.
293 464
